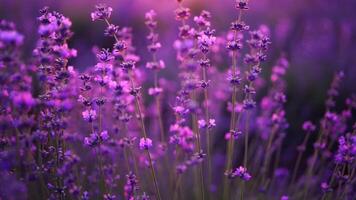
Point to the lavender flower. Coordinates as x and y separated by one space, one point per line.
131 185
325 187
240 172
102 12
308 126
145 143
9 35
89 115
182 13
203 124
347 150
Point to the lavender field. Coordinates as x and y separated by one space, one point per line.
178 100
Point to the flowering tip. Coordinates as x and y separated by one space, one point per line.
145 143
102 12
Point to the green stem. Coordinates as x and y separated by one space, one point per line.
207 118
246 139
139 110
198 148
102 175
226 188
299 159
268 156
176 188
331 180
310 173
230 146
245 153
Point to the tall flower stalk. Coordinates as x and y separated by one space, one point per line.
103 13
308 127
156 66
258 45
234 79
324 130
206 40
53 53
274 117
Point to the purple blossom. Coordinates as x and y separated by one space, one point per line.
325 187
196 158
201 21
131 185
239 26
89 115
203 124
249 104
145 143
112 30
103 67
241 4
23 99
156 65
128 65
85 195
95 139
234 45
109 197
104 136
308 126
346 152
234 80
150 15
182 13
10 37
206 41
155 91
119 47
235 134
101 12
240 172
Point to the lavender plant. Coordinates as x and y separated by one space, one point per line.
123 129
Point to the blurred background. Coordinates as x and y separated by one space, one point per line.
317 36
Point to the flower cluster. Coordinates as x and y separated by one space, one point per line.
240 172
102 12
145 143
347 149
95 139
